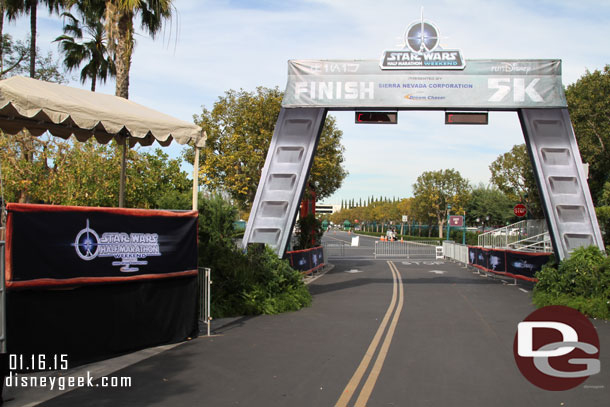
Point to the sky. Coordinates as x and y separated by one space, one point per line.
210 47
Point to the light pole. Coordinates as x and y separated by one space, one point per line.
448 212
464 229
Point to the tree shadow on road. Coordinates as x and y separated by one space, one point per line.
321 288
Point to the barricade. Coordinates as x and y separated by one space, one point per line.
308 260
455 251
509 263
410 249
504 262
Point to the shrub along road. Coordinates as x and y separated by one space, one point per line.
379 333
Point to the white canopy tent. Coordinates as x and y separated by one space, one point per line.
40 106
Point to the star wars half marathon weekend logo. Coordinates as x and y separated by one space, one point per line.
556 348
421 51
128 249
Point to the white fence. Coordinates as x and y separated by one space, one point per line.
511 235
457 252
205 281
420 249
334 249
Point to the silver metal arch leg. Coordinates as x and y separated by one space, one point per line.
283 177
563 186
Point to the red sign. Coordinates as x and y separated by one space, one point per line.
520 210
456 220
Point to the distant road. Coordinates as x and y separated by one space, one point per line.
338 246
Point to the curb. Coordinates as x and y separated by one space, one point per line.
310 279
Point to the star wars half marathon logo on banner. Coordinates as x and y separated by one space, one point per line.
129 249
421 51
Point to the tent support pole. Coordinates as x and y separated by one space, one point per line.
122 181
195 178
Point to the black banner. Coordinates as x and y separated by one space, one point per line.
525 264
484 258
300 260
98 321
307 260
472 255
51 245
317 257
496 260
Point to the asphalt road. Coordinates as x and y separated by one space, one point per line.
379 333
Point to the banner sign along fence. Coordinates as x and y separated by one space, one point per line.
482 84
61 245
522 265
308 260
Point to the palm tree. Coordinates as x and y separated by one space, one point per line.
99 63
15 8
119 27
2 8
120 16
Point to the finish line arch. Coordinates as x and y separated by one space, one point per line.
532 88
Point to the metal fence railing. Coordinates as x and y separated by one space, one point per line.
334 249
511 234
455 251
419 249
204 280
536 244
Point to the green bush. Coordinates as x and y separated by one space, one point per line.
251 283
603 218
310 232
456 234
581 282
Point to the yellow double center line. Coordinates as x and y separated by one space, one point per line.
369 384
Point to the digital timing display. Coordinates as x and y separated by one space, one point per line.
466 118
377 117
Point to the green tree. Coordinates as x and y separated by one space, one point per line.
512 173
23 156
239 129
589 108
72 173
434 190
16 8
489 201
16 61
13 56
92 52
